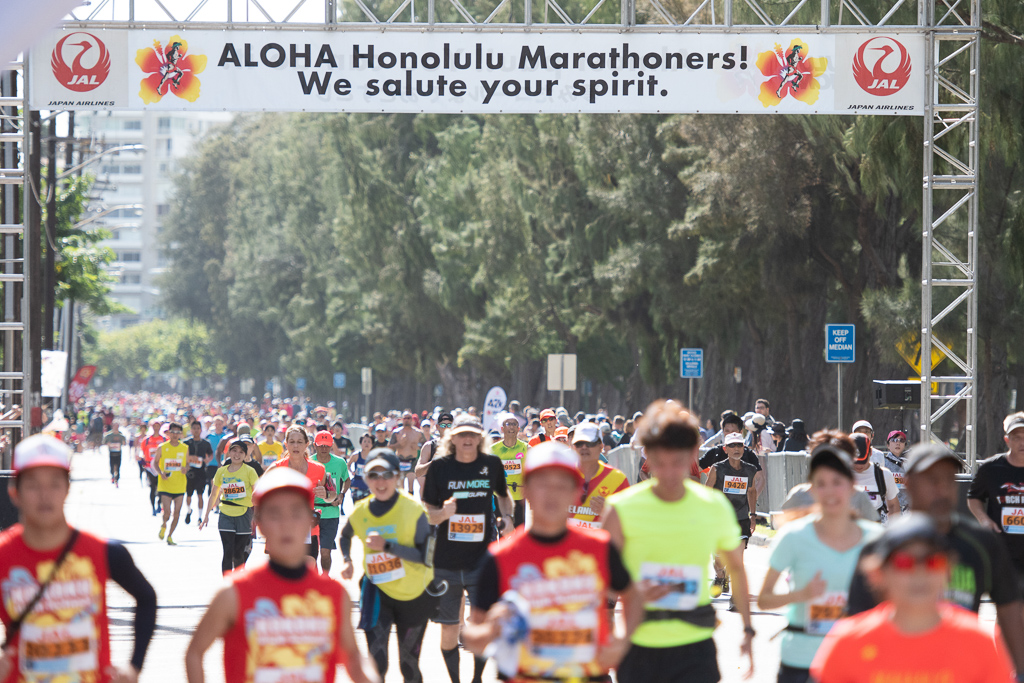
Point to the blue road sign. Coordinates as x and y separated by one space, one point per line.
840 343
339 380
691 363
300 383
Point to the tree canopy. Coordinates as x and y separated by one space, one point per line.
460 250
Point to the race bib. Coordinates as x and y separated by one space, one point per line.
1013 520
57 649
898 476
195 461
466 528
234 490
736 486
513 467
564 638
268 460
291 674
384 567
405 466
685 580
114 447
173 465
359 470
824 611
873 495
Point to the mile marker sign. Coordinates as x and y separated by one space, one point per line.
840 343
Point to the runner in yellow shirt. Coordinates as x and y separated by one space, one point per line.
170 463
271 449
599 479
512 451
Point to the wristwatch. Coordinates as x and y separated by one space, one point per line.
388 546
749 630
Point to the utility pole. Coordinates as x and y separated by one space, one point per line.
49 270
33 261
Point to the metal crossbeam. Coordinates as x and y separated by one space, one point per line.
738 14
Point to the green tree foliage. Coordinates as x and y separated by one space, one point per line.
80 258
462 249
137 352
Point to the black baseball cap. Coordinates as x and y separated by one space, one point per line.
910 528
829 456
923 455
445 417
382 457
863 448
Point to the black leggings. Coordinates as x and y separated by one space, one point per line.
410 621
115 467
152 488
236 550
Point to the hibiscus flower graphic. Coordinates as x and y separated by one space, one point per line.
790 73
170 70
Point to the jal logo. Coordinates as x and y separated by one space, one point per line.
882 66
88 58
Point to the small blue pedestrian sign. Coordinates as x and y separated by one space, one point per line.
691 363
339 380
840 343
300 383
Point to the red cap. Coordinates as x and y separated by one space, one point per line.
547 413
281 479
552 454
323 438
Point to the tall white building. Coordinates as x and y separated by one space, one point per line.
135 188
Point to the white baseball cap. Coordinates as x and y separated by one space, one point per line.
862 423
552 454
732 437
41 450
587 432
279 479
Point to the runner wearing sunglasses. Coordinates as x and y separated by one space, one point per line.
393 528
897 443
914 635
429 449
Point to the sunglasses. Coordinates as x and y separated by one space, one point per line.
386 476
444 425
906 562
898 440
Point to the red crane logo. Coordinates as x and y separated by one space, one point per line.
869 66
78 76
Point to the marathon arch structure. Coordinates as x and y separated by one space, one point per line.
866 57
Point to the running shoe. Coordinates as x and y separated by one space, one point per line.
725 584
163 530
170 541
717 587
188 516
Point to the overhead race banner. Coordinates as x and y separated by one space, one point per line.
441 72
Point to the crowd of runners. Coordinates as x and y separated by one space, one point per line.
519 536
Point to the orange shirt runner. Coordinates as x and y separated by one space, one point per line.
868 648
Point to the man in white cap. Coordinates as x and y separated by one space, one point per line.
53 581
599 480
563 573
282 621
512 450
864 427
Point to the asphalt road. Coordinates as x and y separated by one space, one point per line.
187 576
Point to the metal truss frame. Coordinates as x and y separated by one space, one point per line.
951 135
15 268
